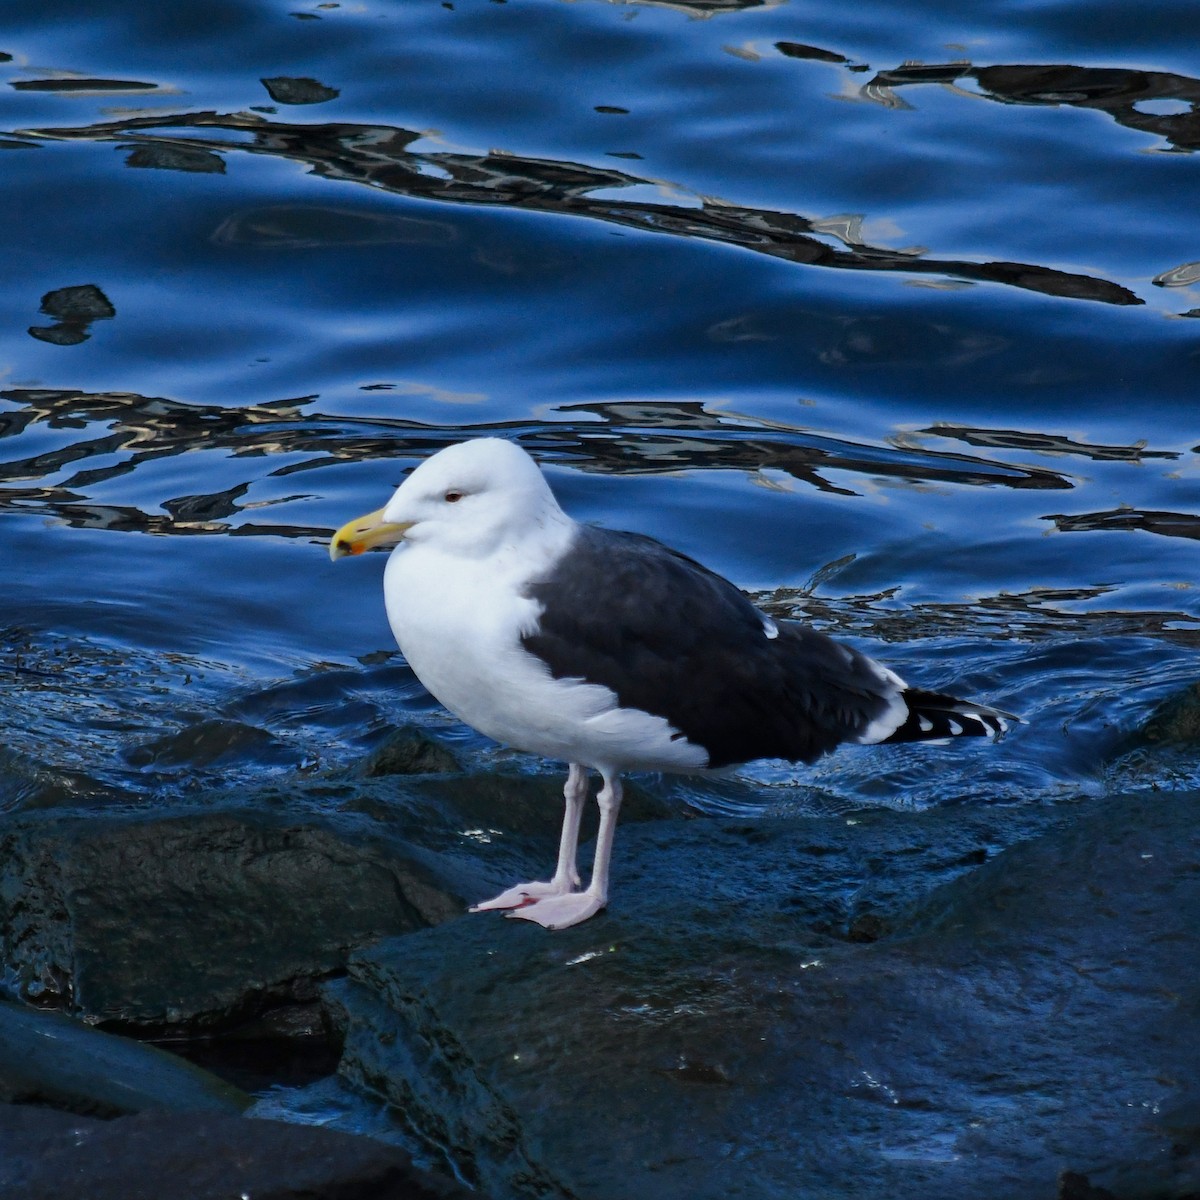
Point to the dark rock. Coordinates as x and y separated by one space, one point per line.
1030 1017
409 752
1073 1186
46 1058
224 909
46 1155
866 927
1175 719
195 917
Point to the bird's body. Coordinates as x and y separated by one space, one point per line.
610 651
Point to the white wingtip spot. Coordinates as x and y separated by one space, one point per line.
769 626
925 724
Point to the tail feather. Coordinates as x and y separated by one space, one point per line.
934 716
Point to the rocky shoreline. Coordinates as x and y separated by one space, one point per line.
970 1000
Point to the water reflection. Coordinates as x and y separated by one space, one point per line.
801 50
74 309
110 434
66 82
1132 97
384 157
1183 275
694 437
1046 443
705 8
290 89
1166 524
298 226
1034 615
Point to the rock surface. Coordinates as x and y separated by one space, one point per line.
722 1031
970 1000
211 912
47 1058
46 1155
195 916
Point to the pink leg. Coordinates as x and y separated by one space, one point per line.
566 876
561 911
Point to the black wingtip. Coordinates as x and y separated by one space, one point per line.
934 716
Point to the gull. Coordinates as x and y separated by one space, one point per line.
611 652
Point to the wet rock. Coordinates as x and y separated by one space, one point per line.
1176 719
193 916
409 752
1028 1021
46 1155
867 927
478 833
47 1058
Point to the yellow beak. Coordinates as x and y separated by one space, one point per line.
365 533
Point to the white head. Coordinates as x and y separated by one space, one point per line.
466 499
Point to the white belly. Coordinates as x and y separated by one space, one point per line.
459 623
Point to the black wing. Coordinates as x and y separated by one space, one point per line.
672 638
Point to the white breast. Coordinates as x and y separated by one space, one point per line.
459 622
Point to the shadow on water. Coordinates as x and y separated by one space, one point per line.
384 157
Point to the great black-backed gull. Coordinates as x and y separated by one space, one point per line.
610 651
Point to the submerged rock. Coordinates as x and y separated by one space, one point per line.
409 752
204 743
1175 719
45 1155
728 1029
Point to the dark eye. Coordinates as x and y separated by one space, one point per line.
452 497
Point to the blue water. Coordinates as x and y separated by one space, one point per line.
885 311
